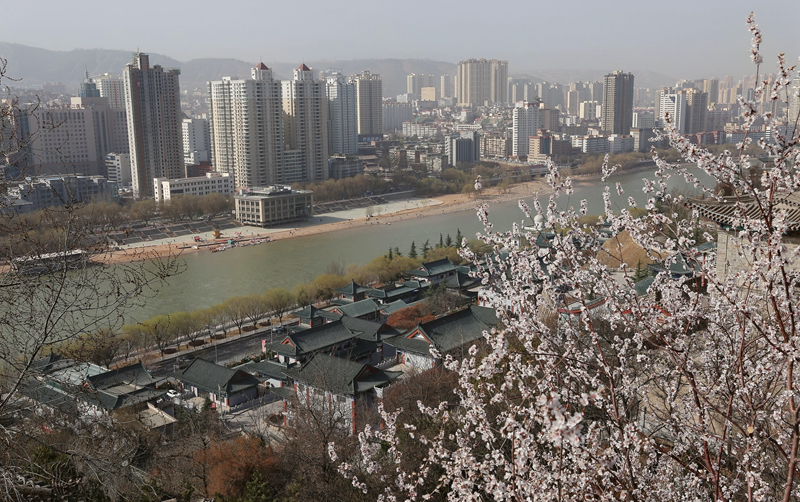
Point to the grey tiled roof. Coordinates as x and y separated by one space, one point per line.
359 308
341 376
135 374
326 335
212 377
267 369
432 268
448 332
642 286
353 289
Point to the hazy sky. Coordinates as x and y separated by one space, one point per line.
679 38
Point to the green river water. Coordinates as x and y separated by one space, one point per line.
211 278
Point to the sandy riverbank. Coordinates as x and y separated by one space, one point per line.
445 204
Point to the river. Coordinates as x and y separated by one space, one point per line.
211 278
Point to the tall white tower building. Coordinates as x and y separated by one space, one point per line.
153 105
369 102
246 123
673 104
342 117
196 141
112 88
527 121
305 109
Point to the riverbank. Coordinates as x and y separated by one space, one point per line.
443 204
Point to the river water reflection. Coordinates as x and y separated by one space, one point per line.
211 278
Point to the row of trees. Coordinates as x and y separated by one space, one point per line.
105 346
42 230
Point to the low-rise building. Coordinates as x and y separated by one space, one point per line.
165 188
118 167
420 130
446 334
591 144
619 143
273 205
59 190
338 386
225 387
344 166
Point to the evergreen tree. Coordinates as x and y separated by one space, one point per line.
448 242
412 253
390 254
397 251
441 242
459 237
641 272
426 248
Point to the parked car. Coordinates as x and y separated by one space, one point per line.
172 394
280 328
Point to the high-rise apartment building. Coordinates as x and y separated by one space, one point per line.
711 87
446 86
793 110
687 109
342 116
587 110
305 112
394 114
74 139
463 149
369 102
245 120
527 120
415 83
696 109
617 107
112 88
196 141
672 105
596 90
246 124
481 81
153 105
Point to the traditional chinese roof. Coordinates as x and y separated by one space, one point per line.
447 332
63 383
462 280
214 378
133 374
434 268
268 369
341 376
642 286
353 289
327 335
679 266
730 211
357 309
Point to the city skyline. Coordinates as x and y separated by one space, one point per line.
595 37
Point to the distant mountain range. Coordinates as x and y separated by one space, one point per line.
642 78
36 66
